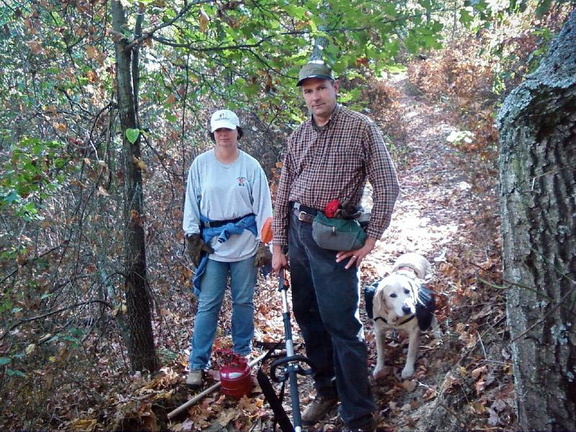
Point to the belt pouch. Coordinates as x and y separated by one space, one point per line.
337 234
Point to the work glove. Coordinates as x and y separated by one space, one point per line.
195 245
263 256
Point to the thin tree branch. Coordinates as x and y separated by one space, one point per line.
47 314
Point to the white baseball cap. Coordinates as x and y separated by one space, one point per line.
224 119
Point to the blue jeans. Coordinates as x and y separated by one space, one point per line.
325 299
242 276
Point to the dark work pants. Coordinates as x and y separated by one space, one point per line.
325 298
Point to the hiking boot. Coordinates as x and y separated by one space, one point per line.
194 378
318 409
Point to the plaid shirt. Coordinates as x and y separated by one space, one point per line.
334 162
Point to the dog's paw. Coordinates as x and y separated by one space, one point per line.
407 372
379 372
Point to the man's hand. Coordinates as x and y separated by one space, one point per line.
195 246
263 256
279 259
356 256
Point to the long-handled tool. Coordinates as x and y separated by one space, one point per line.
206 392
291 366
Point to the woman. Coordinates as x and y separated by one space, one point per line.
227 203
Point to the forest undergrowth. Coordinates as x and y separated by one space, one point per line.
447 211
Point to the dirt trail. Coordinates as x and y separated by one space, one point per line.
434 194
446 211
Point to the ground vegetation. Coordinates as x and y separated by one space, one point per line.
64 363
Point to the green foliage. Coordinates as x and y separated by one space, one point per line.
248 54
7 363
132 135
32 172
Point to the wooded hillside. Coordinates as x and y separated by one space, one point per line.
107 103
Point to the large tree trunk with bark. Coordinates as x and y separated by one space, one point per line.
141 350
538 203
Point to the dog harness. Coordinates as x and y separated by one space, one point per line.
398 324
425 305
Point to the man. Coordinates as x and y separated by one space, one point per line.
331 156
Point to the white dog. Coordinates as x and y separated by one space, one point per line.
401 301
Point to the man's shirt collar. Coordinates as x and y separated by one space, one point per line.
329 122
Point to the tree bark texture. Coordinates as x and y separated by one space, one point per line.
141 349
537 163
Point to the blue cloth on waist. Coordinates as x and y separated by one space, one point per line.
223 233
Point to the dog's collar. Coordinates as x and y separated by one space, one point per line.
404 321
407 271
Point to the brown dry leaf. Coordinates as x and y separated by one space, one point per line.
480 385
450 382
482 370
170 99
203 20
102 192
139 163
91 52
477 407
35 47
410 385
92 76
150 422
429 394
84 425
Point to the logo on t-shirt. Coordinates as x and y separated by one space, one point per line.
242 181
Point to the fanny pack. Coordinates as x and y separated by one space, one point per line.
337 234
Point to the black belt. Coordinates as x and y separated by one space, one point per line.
216 224
304 214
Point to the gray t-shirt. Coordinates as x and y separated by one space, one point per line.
224 192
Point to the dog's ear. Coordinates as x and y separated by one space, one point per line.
380 303
414 285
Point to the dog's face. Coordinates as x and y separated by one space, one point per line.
395 297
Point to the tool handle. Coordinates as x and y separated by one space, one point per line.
283 283
290 364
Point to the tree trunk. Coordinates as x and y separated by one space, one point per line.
141 350
538 203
